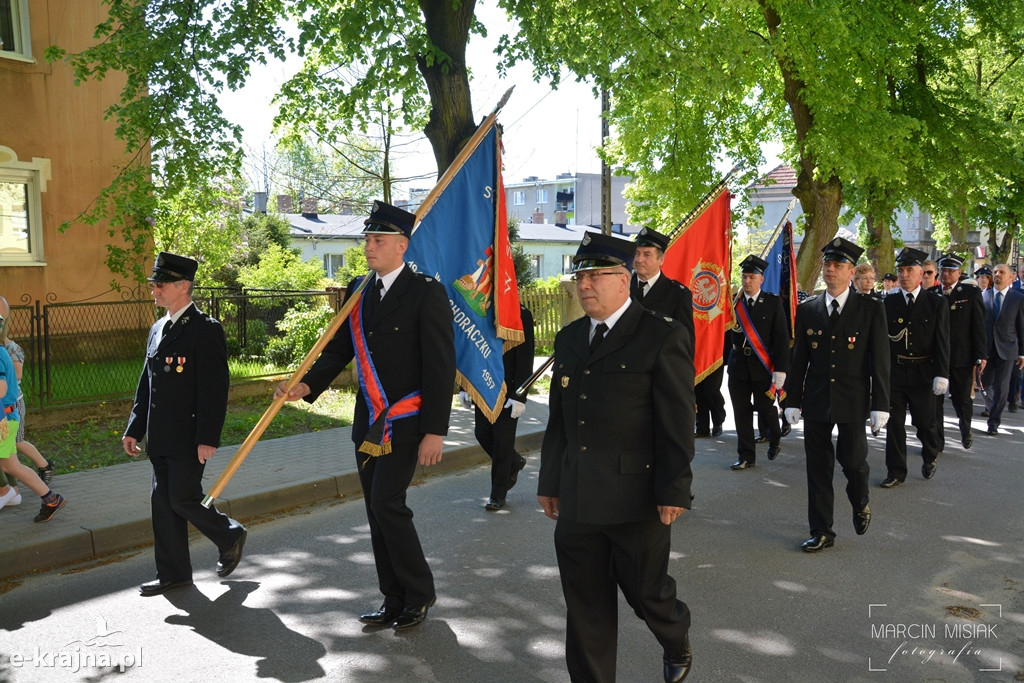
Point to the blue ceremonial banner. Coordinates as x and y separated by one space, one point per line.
773 274
454 242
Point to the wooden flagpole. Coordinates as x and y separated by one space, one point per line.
275 407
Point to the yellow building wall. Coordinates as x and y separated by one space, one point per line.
44 114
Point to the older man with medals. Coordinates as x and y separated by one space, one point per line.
838 377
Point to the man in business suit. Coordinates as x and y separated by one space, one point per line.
918 322
615 463
758 361
966 345
180 406
838 376
653 289
1004 331
402 338
1013 397
498 439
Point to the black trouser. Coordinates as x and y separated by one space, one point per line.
741 392
176 500
593 560
961 381
499 441
402 570
710 402
921 402
996 380
851 450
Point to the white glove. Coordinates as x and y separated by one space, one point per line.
465 400
939 386
518 408
878 420
779 380
792 415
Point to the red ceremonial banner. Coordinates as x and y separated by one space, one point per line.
507 317
701 258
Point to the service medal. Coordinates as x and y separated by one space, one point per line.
814 344
565 381
181 363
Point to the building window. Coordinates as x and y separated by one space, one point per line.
21 222
333 263
542 196
535 264
566 264
519 197
15 42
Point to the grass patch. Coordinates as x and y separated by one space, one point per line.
97 442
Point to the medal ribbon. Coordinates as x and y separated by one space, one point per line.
382 414
747 325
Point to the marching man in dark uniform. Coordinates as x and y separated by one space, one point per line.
966 345
615 464
402 338
653 289
918 323
180 405
757 363
839 375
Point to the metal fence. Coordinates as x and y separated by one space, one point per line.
93 351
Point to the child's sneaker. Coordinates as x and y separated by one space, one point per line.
46 473
12 497
46 512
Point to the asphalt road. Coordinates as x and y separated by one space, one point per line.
933 592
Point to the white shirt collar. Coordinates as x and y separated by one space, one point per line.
389 279
841 299
650 282
916 292
753 296
177 316
1003 290
610 320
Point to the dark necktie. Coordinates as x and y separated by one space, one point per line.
999 304
910 300
166 329
598 337
750 302
375 296
643 288
834 315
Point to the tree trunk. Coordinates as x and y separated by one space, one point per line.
821 200
451 108
958 227
882 251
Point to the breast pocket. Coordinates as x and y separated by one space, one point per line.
626 380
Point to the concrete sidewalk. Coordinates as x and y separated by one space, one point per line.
108 508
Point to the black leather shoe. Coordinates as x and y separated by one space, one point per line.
677 665
816 544
967 440
928 470
157 587
230 559
761 439
992 431
786 428
891 483
716 430
742 465
701 434
385 616
861 520
413 616
984 413
773 450
515 471
1012 407
493 504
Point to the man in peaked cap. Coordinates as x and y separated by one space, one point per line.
918 324
651 287
615 463
966 345
180 406
758 361
404 345
838 376
890 283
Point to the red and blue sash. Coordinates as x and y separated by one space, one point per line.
760 350
382 414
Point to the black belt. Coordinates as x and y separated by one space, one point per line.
912 360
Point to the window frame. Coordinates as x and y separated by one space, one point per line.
518 197
22 31
34 174
542 195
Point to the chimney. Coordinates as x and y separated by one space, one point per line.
560 218
259 202
284 203
538 216
309 207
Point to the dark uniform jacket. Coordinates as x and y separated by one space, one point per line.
921 352
769 318
182 397
1005 335
668 297
518 361
411 342
966 325
839 375
619 439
